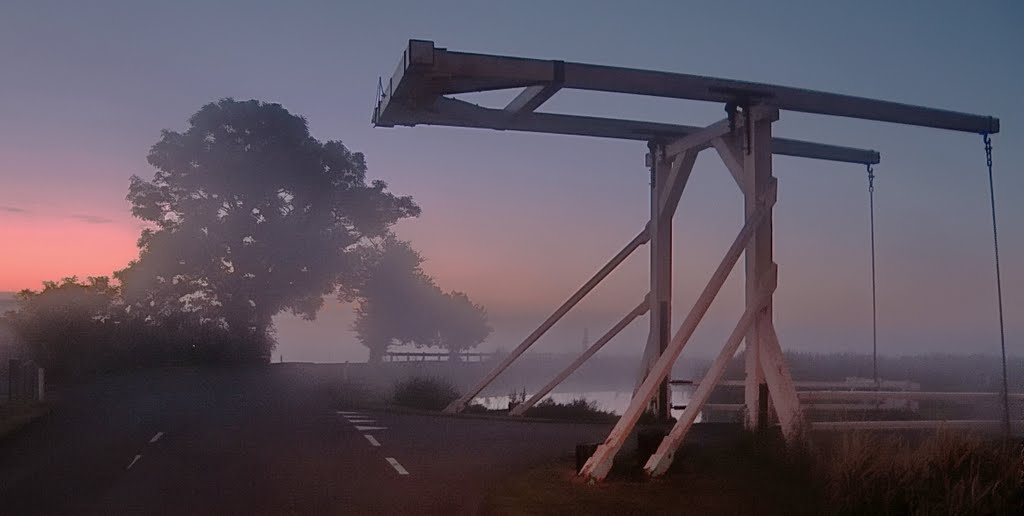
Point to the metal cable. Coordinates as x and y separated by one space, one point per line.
874 290
999 283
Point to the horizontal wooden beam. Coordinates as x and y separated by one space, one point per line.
965 397
442 72
926 424
459 113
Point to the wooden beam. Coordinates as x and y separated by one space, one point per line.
713 89
780 384
757 168
459 113
670 177
660 461
962 397
678 176
955 424
732 156
705 137
699 140
594 348
531 98
660 271
677 179
460 404
597 467
458 65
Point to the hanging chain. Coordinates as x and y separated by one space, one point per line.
999 281
874 296
988 151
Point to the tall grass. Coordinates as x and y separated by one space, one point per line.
948 473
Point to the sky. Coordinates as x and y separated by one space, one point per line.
519 221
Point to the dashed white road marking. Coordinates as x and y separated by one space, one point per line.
370 428
156 437
398 467
136 459
372 439
347 414
360 421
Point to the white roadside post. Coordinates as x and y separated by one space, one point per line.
40 384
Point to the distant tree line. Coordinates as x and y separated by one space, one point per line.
400 304
247 216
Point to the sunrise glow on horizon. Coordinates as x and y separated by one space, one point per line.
48 248
519 221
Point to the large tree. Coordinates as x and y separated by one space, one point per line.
250 216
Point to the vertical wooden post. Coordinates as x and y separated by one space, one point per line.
660 298
757 165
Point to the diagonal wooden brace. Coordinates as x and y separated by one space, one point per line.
642 238
594 348
781 388
600 463
662 458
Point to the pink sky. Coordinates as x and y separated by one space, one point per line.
52 246
520 221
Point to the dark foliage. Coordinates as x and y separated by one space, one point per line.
425 393
248 216
400 304
251 216
75 328
579 409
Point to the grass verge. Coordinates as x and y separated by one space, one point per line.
579 409
858 473
14 417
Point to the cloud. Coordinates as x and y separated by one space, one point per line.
13 209
91 219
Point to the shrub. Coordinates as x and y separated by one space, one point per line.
425 393
579 409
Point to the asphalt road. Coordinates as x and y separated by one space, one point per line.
266 440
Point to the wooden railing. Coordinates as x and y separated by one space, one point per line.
435 356
862 396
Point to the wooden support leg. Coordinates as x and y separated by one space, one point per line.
662 458
594 348
669 176
781 386
660 297
757 164
600 462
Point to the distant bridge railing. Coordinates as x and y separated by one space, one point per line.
858 404
435 356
